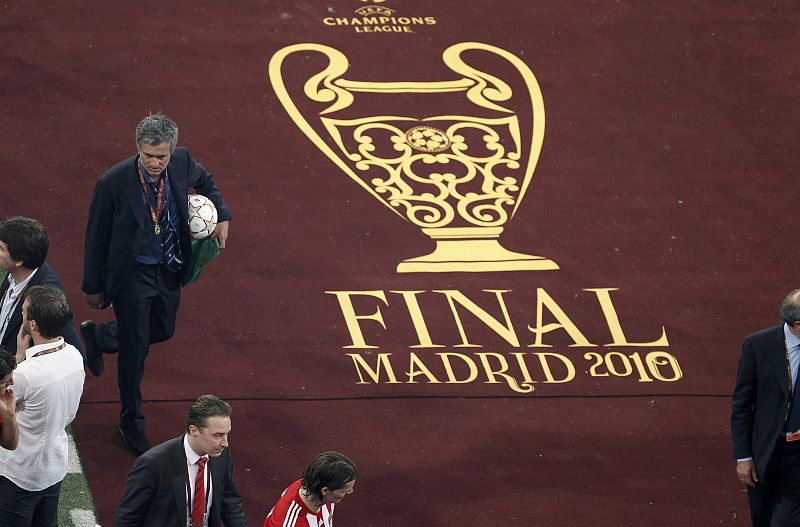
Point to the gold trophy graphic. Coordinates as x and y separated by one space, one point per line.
458 175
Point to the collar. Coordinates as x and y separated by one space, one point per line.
14 287
147 177
30 352
191 455
792 340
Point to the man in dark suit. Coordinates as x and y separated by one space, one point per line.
23 251
765 420
135 254
168 485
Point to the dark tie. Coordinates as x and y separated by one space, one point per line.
172 247
199 502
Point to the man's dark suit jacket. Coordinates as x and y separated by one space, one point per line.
44 276
115 229
155 493
761 397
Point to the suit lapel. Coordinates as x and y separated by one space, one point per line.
133 192
217 471
15 321
178 461
4 285
177 190
777 355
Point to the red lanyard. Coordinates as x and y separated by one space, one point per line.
155 213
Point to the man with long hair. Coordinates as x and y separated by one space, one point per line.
310 501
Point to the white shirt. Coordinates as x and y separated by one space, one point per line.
191 466
48 390
10 299
793 349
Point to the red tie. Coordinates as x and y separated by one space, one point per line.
199 502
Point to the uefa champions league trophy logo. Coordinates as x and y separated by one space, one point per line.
459 175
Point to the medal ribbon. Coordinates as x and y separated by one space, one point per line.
155 213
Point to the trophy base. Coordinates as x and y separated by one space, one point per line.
474 256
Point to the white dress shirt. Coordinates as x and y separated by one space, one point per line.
793 349
48 390
9 300
191 466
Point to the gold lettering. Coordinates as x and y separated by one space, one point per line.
417 20
329 21
548 373
604 297
351 319
544 300
342 22
382 362
417 367
448 368
417 319
506 332
523 367
501 372
430 20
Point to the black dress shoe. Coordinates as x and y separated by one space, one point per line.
94 356
135 440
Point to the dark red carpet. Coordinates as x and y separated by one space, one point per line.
665 192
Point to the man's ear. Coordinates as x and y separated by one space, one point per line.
193 430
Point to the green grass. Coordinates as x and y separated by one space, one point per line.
75 505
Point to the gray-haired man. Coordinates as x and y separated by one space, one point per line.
135 254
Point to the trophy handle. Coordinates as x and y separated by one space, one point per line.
487 88
319 88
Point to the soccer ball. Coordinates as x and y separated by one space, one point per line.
202 216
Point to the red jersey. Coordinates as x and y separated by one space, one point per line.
290 511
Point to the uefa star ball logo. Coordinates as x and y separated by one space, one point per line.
202 216
427 139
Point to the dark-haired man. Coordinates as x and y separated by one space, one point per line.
137 243
309 502
169 484
48 384
9 431
23 253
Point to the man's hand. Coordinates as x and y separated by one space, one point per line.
9 431
95 301
24 341
8 404
221 232
746 471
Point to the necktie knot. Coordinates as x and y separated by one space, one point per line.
201 463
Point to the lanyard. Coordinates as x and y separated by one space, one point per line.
155 213
51 350
12 307
189 499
